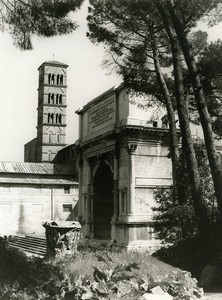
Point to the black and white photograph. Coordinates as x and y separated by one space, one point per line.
111 150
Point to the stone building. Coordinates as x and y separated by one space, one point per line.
123 158
40 189
51 121
31 193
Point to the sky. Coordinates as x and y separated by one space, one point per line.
19 82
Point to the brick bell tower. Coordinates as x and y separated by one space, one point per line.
51 124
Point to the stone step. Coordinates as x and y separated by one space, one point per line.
29 251
29 240
37 238
29 244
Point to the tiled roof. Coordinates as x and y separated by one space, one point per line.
28 168
53 62
38 181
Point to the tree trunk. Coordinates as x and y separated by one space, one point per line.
215 167
172 125
199 204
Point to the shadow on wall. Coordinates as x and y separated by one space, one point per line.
73 216
21 220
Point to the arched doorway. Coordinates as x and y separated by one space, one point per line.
103 204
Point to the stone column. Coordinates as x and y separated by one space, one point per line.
116 188
130 207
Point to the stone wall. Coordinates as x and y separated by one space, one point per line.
23 208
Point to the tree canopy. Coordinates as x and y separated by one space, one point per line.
24 18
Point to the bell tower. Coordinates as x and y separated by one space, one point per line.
51 123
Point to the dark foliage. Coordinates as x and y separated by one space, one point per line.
174 222
33 275
186 255
24 18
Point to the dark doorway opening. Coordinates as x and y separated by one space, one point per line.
103 205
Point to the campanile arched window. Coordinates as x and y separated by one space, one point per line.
53 79
49 78
61 79
52 98
60 99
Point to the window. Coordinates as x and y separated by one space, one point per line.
58 138
60 99
50 118
57 98
66 189
52 79
57 79
49 78
49 97
155 123
52 98
67 207
61 79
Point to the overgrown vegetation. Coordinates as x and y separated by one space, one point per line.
176 224
88 275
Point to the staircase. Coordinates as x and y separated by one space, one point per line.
31 245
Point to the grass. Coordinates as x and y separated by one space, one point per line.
84 263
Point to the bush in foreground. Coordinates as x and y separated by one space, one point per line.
100 275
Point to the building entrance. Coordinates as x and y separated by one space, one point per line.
103 201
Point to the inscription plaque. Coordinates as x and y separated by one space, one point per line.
102 114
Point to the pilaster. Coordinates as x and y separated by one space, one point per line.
131 148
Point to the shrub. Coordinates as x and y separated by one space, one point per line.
176 222
87 275
23 276
173 223
113 280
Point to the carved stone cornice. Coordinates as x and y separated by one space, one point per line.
131 148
